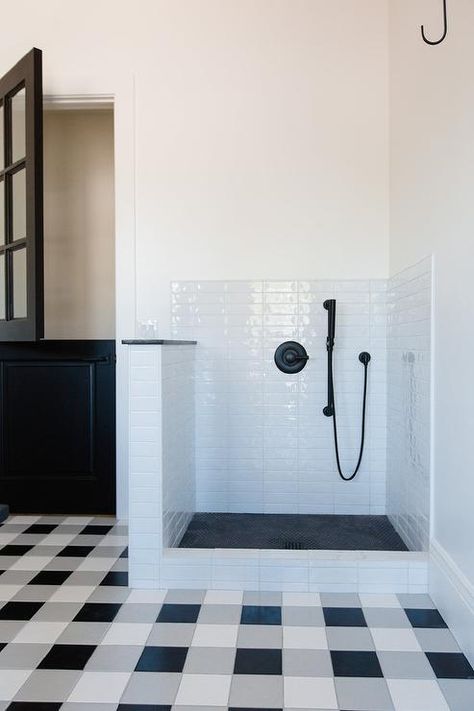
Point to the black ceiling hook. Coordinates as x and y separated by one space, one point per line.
445 32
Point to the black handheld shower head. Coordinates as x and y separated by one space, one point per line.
330 306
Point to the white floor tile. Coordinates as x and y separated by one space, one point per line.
215 636
309 693
223 597
72 593
203 690
100 687
304 638
389 639
31 562
9 591
128 633
416 695
150 596
379 600
40 632
305 599
10 682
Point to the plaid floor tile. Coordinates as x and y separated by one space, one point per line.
73 636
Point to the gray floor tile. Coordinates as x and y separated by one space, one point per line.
220 614
86 577
120 565
405 665
45 551
107 552
9 629
17 577
198 708
86 541
252 597
58 611
190 597
175 635
119 657
459 693
356 639
138 612
307 662
151 688
254 690
7 560
340 600
48 685
436 640
303 616
260 636
72 706
386 617
416 601
363 694
107 593
64 563
23 656
209 660
35 593
29 539
84 633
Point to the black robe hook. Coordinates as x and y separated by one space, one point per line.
445 32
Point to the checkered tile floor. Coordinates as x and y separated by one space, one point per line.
73 636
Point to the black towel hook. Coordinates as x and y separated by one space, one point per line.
445 16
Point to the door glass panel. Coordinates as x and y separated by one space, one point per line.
2 212
2 146
19 205
18 108
19 283
2 287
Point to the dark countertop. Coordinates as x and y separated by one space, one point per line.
156 342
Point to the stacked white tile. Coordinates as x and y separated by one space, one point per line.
262 442
161 402
409 376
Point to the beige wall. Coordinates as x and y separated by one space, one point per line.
79 224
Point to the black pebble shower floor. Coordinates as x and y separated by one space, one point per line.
292 531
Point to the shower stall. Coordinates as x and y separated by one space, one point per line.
293 440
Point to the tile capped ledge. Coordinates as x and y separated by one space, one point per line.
156 342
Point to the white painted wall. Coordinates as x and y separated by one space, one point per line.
249 136
79 231
432 159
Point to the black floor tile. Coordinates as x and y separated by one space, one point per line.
50 577
12 549
2 646
33 706
67 656
425 618
450 665
124 553
19 610
260 615
283 531
116 578
258 661
360 664
75 551
178 613
97 612
162 659
344 617
93 530
41 528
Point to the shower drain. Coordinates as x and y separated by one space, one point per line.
293 546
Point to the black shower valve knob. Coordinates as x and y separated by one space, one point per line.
364 358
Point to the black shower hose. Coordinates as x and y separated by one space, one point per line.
331 411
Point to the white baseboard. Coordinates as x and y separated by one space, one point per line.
453 595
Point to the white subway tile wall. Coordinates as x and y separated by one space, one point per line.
262 442
408 414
